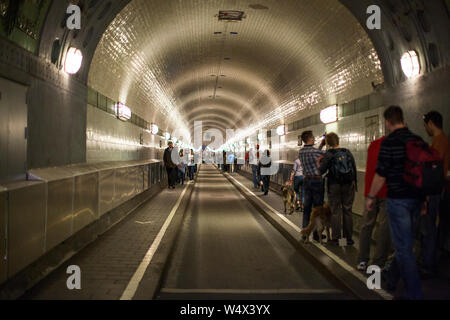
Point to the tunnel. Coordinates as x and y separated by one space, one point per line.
96 205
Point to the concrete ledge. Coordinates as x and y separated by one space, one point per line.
38 270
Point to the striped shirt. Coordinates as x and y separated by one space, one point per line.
308 157
391 164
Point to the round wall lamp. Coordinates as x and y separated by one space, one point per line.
73 61
154 129
410 64
281 130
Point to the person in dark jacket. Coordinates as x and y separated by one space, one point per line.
265 162
171 167
342 184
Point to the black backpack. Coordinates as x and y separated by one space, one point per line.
342 167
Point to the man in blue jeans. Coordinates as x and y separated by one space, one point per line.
403 203
313 185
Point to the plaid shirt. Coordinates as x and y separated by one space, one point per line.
308 156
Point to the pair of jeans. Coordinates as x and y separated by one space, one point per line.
256 175
429 235
266 183
403 215
181 176
340 199
383 240
298 188
314 194
191 172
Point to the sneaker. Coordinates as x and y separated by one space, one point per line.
362 266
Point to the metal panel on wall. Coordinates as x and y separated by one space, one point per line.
26 230
106 191
3 224
13 121
85 208
59 212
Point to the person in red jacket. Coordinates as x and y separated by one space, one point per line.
383 239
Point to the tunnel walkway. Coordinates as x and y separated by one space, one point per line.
227 249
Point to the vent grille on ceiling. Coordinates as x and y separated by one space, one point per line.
231 15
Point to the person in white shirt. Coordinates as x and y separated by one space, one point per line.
297 181
191 165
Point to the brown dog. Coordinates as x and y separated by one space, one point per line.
288 198
320 220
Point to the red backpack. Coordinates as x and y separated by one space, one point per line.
423 168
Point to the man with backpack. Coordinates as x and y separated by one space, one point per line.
342 184
412 171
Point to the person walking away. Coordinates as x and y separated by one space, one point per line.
254 161
265 162
403 202
191 165
171 167
383 239
182 169
433 122
313 181
297 181
342 185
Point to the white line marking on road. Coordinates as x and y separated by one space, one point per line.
342 263
133 285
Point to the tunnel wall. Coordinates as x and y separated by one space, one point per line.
56 108
109 139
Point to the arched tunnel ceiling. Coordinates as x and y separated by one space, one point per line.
164 60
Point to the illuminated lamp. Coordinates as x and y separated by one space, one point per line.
73 61
410 64
123 112
329 115
167 136
281 130
154 129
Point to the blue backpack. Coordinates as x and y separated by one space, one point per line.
342 167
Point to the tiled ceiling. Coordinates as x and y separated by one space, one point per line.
173 62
